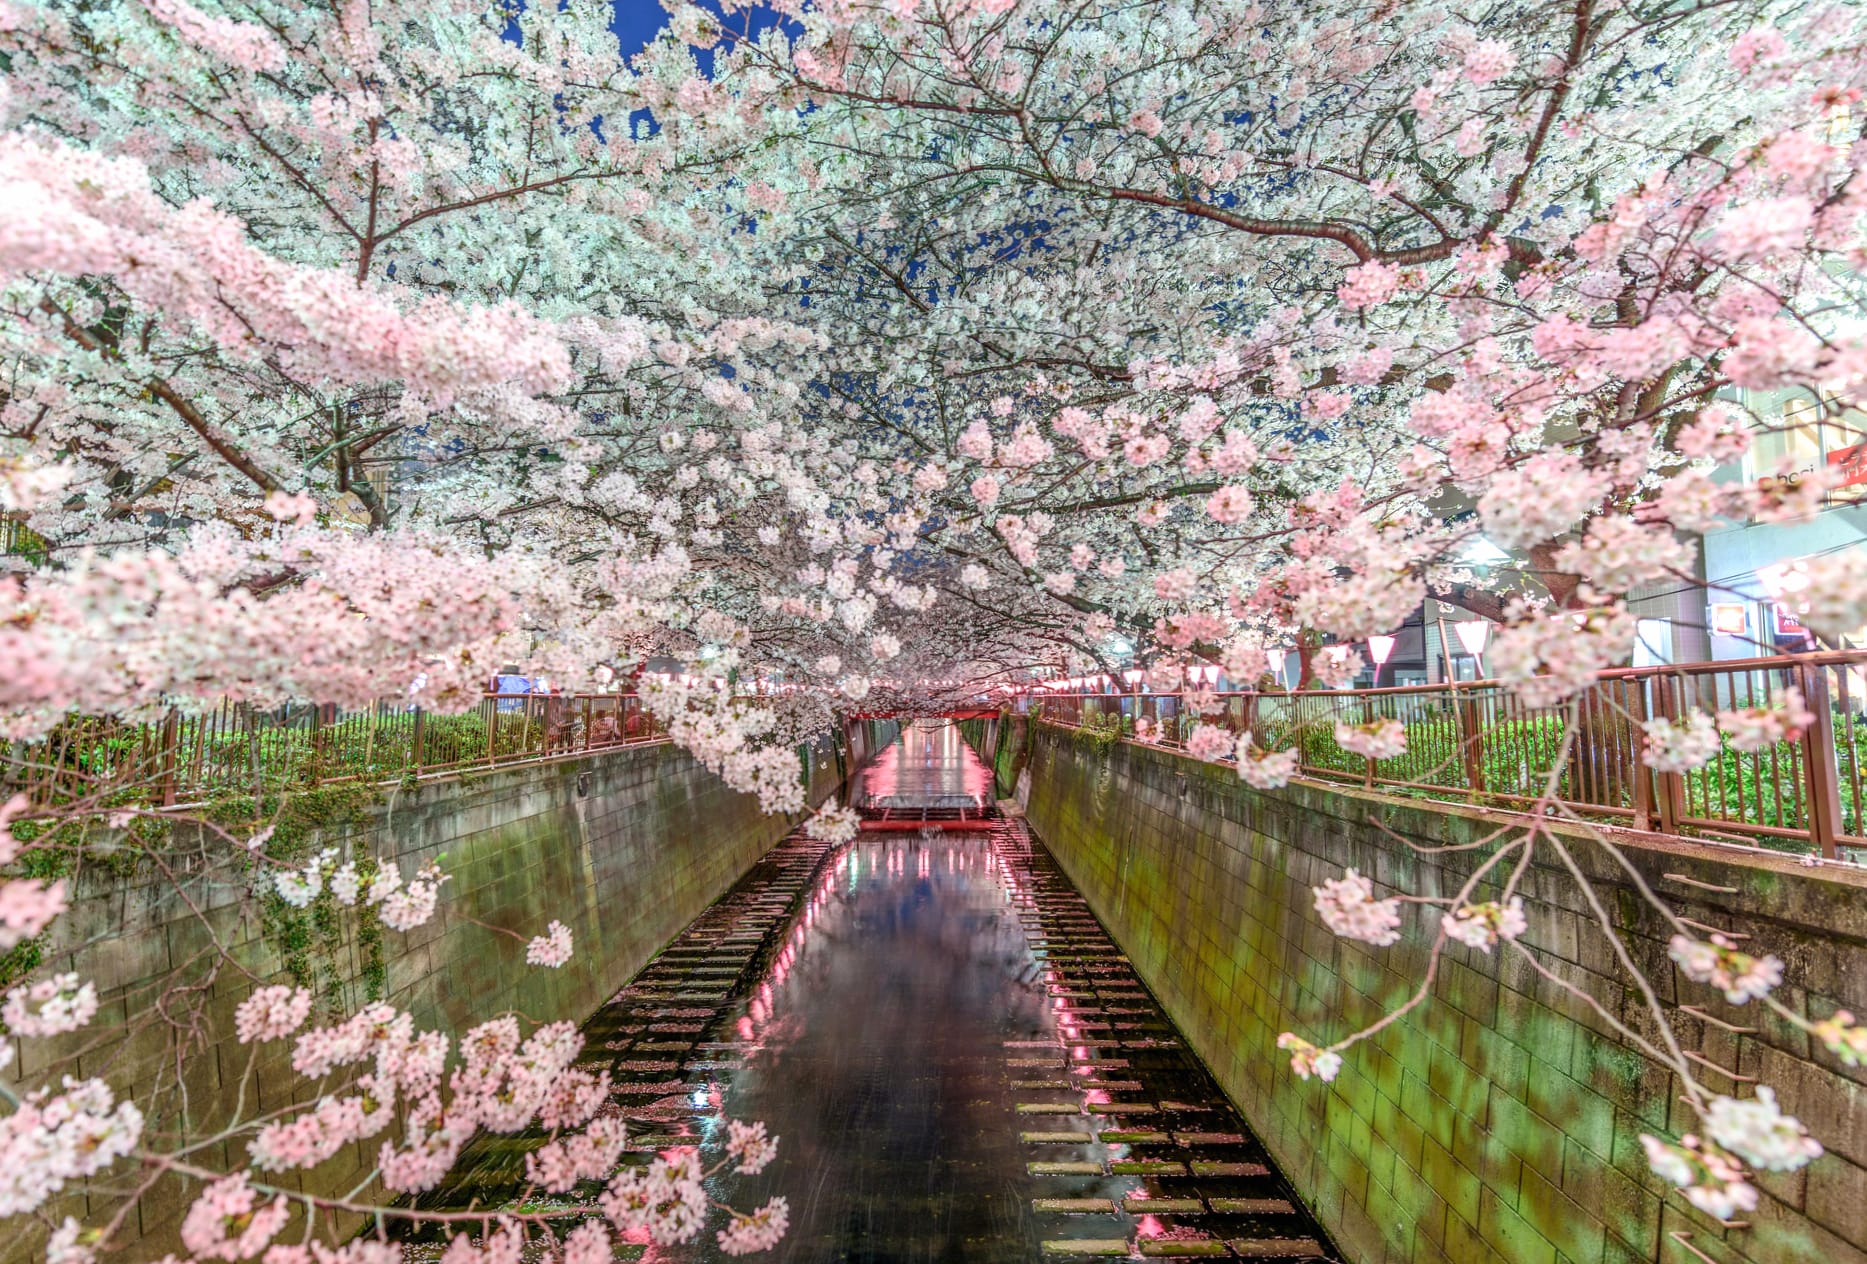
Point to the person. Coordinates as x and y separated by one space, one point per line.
557 720
509 681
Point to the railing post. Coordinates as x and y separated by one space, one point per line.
492 724
416 743
1821 782
1471 739
1668 787
170 724
1642 775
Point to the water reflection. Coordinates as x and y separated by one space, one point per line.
959 1064
928 766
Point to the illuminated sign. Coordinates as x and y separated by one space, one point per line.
1786 623
1730 618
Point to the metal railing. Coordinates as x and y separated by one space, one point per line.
240 749
1474 741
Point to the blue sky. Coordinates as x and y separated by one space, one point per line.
637 22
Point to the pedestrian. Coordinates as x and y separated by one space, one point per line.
511 686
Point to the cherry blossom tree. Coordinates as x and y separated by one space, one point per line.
352 351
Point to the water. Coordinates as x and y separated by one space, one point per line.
959 1064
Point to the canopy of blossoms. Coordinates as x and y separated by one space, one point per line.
352 351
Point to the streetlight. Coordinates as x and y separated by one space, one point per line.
1380 649
1472 634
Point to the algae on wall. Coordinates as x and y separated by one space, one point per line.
1500 1122
625 847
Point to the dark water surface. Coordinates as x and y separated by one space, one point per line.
958 1062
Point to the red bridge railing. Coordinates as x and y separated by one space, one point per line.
1475 741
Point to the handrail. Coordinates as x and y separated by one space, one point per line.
240 749
1474 741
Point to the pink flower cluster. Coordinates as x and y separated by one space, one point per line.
553 948
271 1013
54 1138
1348 908
1480 926
1381 738
50 1007
1738 975
227 1222
1307 1060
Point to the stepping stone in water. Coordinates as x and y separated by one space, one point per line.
1273 1248
1122 1108
1057 1138
1209 1138
1133 1138
1032 1085
1162 1206
1076 1206
1252 1206
1181 1247
1064 1169
1087 1246
1049 1108
1146 1167
1230 1169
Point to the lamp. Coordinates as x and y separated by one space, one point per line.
1380 649
1472 634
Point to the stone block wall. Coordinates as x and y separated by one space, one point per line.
1500 1122
624 847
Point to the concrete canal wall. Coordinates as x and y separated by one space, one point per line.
1501 1122
625 847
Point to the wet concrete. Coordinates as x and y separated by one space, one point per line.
959 1063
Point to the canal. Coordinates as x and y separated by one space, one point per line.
958 1061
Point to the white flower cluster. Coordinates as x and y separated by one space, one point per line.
1681 745
1307 1060
1547 658
1758 1132
50 1007
1348 908
834 825
1759 728
1711 1179
1738 975
1262 769
1833 599
1381 738
1480 926
403 907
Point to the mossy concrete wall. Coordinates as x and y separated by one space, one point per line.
625 847
1500 1122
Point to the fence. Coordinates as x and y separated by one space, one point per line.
245 750
1475 741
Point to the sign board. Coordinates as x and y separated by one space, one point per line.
1852 463
1786 623
1730 618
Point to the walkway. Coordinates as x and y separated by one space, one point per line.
959 1063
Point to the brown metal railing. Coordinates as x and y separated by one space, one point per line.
239 749
1474 741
